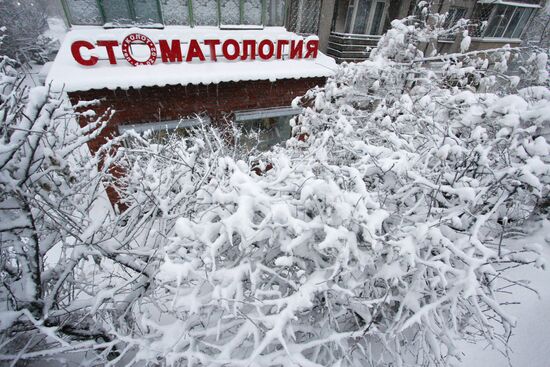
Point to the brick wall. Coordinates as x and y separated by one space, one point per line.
151 104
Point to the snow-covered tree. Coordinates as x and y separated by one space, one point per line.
24 23
49 192
380 240
378 235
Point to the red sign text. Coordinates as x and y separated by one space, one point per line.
171 51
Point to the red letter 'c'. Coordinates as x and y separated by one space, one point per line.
75 50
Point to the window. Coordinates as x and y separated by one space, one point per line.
205 12
508 21
265 127
175 12
230 12
83 12
158 132
251 12
303 16
274 12
349 16
453 16
143 12
237 12
377 17
366 16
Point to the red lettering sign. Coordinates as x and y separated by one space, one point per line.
75 50
231 49
170 53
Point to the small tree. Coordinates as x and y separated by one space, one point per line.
25 23
50 189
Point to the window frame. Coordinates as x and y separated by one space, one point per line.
246 115
241 117
529 10
241 25
105 23
370 17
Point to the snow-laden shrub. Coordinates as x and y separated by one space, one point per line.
377 241
22 24
49 187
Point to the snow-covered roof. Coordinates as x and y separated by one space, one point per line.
68 75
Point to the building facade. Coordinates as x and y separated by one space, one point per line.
347 27
237 60
163 66
167 65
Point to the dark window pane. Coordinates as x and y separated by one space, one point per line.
525 14
306 18
84 12
146 11
349 17
275 12
116 11
494 22
513 23
265 132
161 136
505 18
377 19
175 12
361 16
455 14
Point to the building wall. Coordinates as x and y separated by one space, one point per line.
152 104
349 49
325 23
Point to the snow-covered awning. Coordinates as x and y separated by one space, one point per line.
67 74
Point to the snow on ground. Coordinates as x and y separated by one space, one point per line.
530 342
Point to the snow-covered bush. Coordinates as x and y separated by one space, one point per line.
49 186
24 23
376 238
377 241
